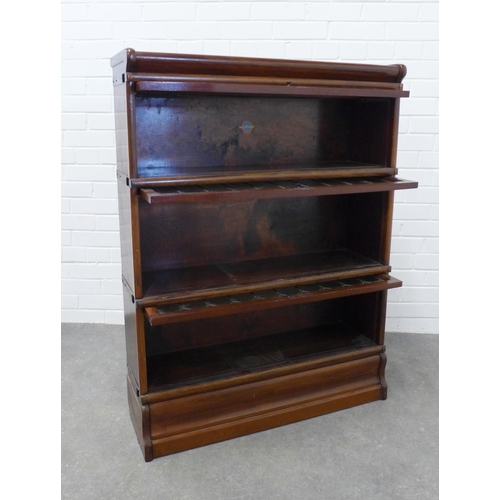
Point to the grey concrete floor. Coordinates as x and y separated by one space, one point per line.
383 450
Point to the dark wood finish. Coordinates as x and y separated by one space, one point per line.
212 193
268 299
255 202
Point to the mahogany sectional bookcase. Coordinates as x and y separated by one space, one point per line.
255 205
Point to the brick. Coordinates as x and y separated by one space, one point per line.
353 50
94 206
429 159
101 121
271 49
73 86
390 12
425 124
404 124
217 47
99 271
381 50
115 255
74 12
407 159
298 50
416 142
432 311
333 12
167 46
431 245
424 88
101 255
107 223
422 69
418 325
90 173
66 236
114 317
413 31
226 11
402 261
108 48
429 12
405 51
427 261
420 228
73 121
407 245
418 106
105 190
76 189
420 195
68 270
432 278
85 49
190 47
304 30
278 11
125 11
85 68
125 30
101 301
82 316
411 277
189 30
412 211
406 310
86 31
71 221
88 156
69 254
67 156
89 138
99 86
244 49
326 51
112 287
169 11
422 176
86 104
434 213
108 157
255 30
435 178
69 302
431 50
357 31
419 294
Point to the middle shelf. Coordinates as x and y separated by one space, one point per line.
267 299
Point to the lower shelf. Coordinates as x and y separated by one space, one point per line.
197 366
183 420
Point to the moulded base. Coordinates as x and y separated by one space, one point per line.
189 418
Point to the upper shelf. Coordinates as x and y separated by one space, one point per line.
264 86
277 189
157 176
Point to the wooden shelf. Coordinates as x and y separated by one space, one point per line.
197 366
200 282
277 189
262 87
267 299
168 175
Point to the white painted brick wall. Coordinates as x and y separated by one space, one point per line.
359 31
